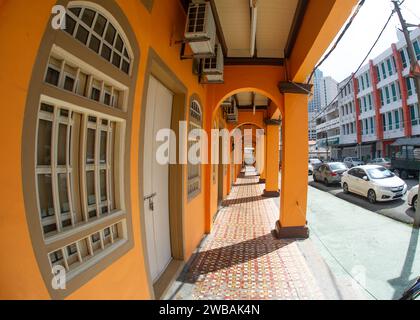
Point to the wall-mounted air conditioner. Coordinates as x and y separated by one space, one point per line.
200 30
230 109
212 68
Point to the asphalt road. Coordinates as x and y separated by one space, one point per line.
396 209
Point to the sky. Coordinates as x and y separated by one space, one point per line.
361 35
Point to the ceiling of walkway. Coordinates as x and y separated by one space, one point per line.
257 31
247 100
273 21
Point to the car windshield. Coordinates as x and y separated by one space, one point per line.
379 173
355 159
315 161
338 166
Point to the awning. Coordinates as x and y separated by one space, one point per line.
406 142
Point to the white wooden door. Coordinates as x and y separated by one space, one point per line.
156 179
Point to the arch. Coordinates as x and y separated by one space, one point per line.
260 79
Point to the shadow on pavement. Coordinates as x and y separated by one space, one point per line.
401 283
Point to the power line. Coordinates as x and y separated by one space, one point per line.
359 6
360 65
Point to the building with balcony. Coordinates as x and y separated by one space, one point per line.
327 124
328 130
379 103
86 210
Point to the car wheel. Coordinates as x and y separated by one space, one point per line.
345 188
414 202
314 177
372 196
326 182
404 174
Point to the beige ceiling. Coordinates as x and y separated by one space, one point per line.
245 99
274 21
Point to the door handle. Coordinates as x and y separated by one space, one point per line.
150 199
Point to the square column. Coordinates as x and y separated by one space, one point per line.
272 158
294 170
263 157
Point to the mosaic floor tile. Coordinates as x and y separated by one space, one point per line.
241 259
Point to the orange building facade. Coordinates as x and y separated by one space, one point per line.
76 186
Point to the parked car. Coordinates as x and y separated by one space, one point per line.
310 169
316 163
412 197
385 162
374 182
351 162
330 172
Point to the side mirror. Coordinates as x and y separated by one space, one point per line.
365 178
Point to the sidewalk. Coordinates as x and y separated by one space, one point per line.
382 254
241 259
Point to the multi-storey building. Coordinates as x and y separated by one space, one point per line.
314 104
328 124
328 130
379 104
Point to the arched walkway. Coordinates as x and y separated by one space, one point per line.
241 259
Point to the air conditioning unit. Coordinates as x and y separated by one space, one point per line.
200 30
212 68
230 109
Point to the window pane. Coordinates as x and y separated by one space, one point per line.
46 202
44 143
76 11
90 186
100 25
96 237
71 249
106 52
119 44
116 60
125 66
94 43
92 214
90 146
62 144
57 257
52 76
70 24
88 16
82 34
68 83
103 185
110 34
95 94
63 193
102 157
107 98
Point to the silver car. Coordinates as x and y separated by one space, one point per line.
351 162
330 172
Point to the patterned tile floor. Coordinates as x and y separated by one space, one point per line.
241 259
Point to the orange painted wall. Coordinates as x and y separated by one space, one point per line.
126 278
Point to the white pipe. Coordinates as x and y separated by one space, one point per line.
253 4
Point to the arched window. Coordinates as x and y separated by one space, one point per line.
97 32
194 170
76 140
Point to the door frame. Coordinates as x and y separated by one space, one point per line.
157 68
